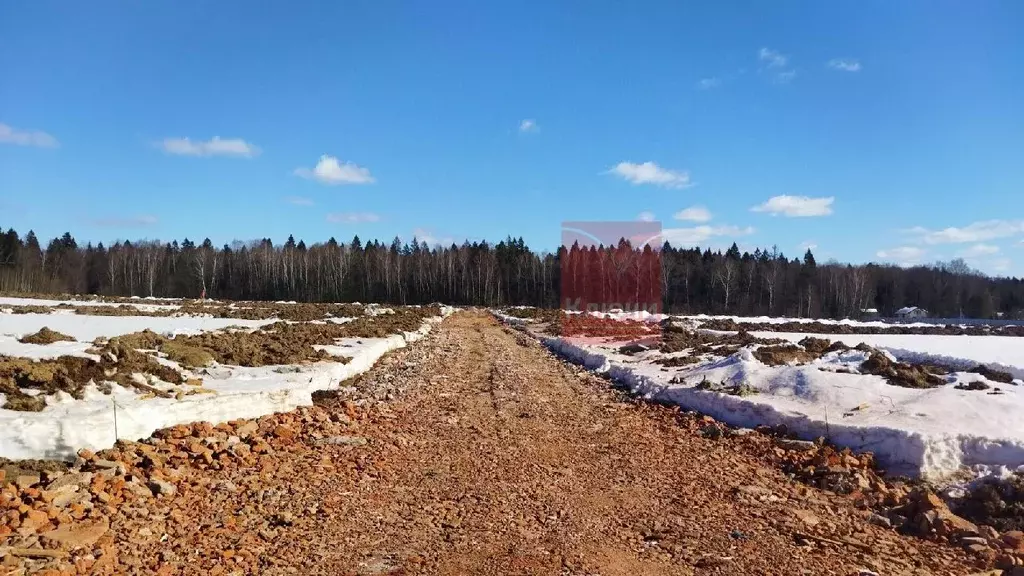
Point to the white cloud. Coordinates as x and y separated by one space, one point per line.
141 221
698 234
772 58
215 146
352 217
708 83
796 206
330 171
20 137
903 254
299 201
776 63
645 216
529 125
693 214
424 235
808 245
975 232
651 173
978 250
844 64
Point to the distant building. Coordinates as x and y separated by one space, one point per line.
911 312
868 313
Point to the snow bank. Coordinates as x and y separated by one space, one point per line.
67 425
931 433
87 328
8 301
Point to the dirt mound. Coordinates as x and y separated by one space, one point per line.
900 373
118 363
997 503
677 338
45 336
185 355
993 375
784 354
281 342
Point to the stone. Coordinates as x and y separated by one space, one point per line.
988 532
879 520
284 432
343 440
807 517
33 520
969 541
69 497
26 480
74 479
796 445
247 429
977 548
76 536
1014 539
161 487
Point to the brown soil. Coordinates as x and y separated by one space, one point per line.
783 354
993 375
676 361
118 363
997 504
677 339
900 373
45 336
498 459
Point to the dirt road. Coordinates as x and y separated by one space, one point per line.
499 459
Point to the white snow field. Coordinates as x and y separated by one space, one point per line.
66 425
933 433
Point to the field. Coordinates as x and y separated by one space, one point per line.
931 404
107 370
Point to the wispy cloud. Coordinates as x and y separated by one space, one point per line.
529 125
651 173
903 254
699 234
772 58
352 217
329 170
299 201
693 214
796 206
978 250
708 83
974 232
808 245
645 216
142 221
844 64
22 137
215 146
776 64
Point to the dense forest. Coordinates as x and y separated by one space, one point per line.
692 280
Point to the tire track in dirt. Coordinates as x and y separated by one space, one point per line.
500 459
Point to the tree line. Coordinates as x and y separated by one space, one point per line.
692 280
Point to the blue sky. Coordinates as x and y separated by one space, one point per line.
874 131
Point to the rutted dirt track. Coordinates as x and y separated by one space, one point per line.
499 459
